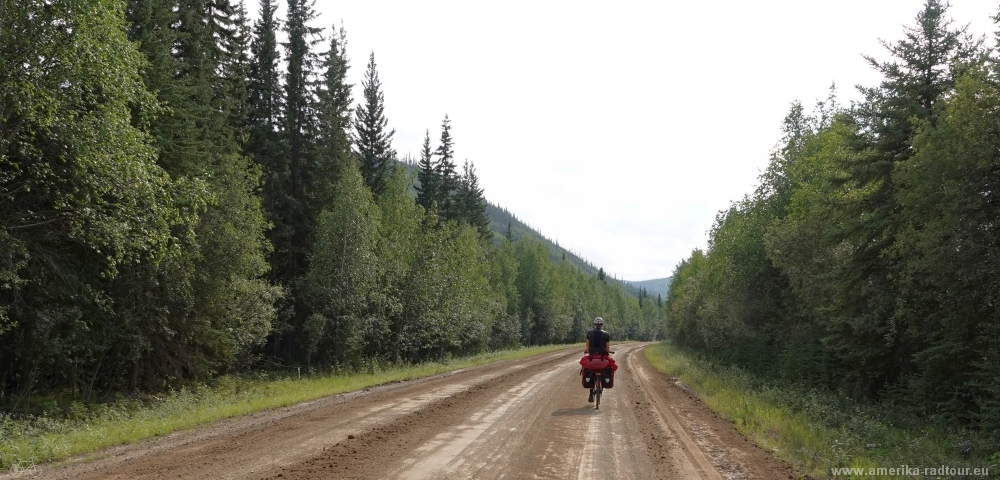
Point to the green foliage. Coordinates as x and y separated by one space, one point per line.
344 271
452 196
948 251
428 189
471 204
557 302
503 277
263 142
299 183
815 429
447 174
373 141
865 261
298 134
219 306
159 159
401 220
83 200
334 112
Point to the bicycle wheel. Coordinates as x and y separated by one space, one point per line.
597 395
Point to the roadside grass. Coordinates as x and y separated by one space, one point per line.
817 431
77 428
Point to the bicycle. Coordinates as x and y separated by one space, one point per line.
598 387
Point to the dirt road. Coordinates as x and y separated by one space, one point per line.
525 418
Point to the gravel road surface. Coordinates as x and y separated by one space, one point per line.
526 418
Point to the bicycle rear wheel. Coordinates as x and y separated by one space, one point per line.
597 395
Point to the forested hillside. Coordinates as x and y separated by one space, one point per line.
866 261
656 286
182 195
505 224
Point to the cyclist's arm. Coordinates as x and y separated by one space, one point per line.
586 349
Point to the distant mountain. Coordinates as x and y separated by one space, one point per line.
656 286
499 219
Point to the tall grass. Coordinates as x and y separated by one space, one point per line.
817 430
78 428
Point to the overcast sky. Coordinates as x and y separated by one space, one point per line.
617 128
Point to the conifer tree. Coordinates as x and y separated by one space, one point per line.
333 114
82 197
472 204
236 72
448 181
217 269
427 176
264 143
865 327
299 122
372 141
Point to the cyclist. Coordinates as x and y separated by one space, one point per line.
598 343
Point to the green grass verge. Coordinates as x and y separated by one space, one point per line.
817 431
80 428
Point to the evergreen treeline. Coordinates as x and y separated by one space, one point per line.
505 224
867 258
183 195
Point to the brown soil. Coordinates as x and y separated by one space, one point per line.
513 419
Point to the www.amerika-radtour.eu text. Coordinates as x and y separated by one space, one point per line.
906 470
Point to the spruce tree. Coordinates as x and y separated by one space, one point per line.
264 143
265 99
236 72
373 142
300 130
471 203
427 176
218 264
334 116
866 329
448 181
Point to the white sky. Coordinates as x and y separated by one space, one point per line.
617 128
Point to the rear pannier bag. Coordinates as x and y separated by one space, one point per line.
608 377
606 364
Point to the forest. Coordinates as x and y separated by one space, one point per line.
185 193
865 260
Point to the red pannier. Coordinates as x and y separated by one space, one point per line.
604 363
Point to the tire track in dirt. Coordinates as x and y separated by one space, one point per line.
254 444
690 461
423 443
731 455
